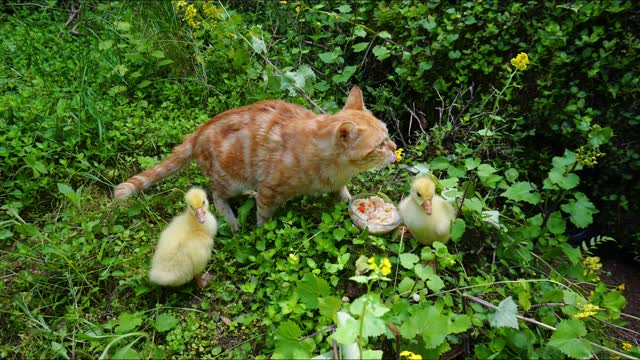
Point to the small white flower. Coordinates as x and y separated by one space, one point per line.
492 217
416 297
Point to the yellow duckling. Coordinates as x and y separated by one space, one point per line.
427 215
185 245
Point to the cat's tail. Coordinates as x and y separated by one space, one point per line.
180 156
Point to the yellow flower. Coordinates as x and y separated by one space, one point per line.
181 4
298 9
620 287
283 2
385 267
587 310
399 154
521 61
372 263
193 24
410 355
190 12
626 346
211 10
592 262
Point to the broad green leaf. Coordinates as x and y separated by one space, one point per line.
565 181
580 210
329 305
405 286
361 46
128 322
59 349
339 233
346 333
384 35
123 26
460 323
310 288
258 45
600 136
565 161
372 354
484 170
143 84
566 339
165 62
66 189
346 74
408 260
35 165
165 322
471 163
457 229
370 304
522 191
505 315
556 223
437 329
293 349
328 57
380 52
369 309
359 31
361 279
511 174
290 330
126 353
572 253
474 204
435 283
614 302
422 271
344 9
105 45
157 54
454 54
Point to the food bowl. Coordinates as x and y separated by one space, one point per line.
375 212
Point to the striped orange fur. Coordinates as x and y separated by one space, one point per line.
278 149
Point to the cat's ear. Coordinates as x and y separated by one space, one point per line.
354 101
347 132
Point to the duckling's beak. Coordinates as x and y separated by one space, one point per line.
200 215
426 205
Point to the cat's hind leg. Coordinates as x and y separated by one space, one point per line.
223 207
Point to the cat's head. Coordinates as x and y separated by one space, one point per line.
361 138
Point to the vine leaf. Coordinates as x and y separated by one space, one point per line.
408 260
522 191
310 288
580 210
566 339
505 315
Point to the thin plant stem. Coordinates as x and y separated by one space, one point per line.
548 327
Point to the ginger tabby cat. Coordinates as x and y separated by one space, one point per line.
278 149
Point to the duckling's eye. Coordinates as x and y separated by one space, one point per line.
418 193
202 202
